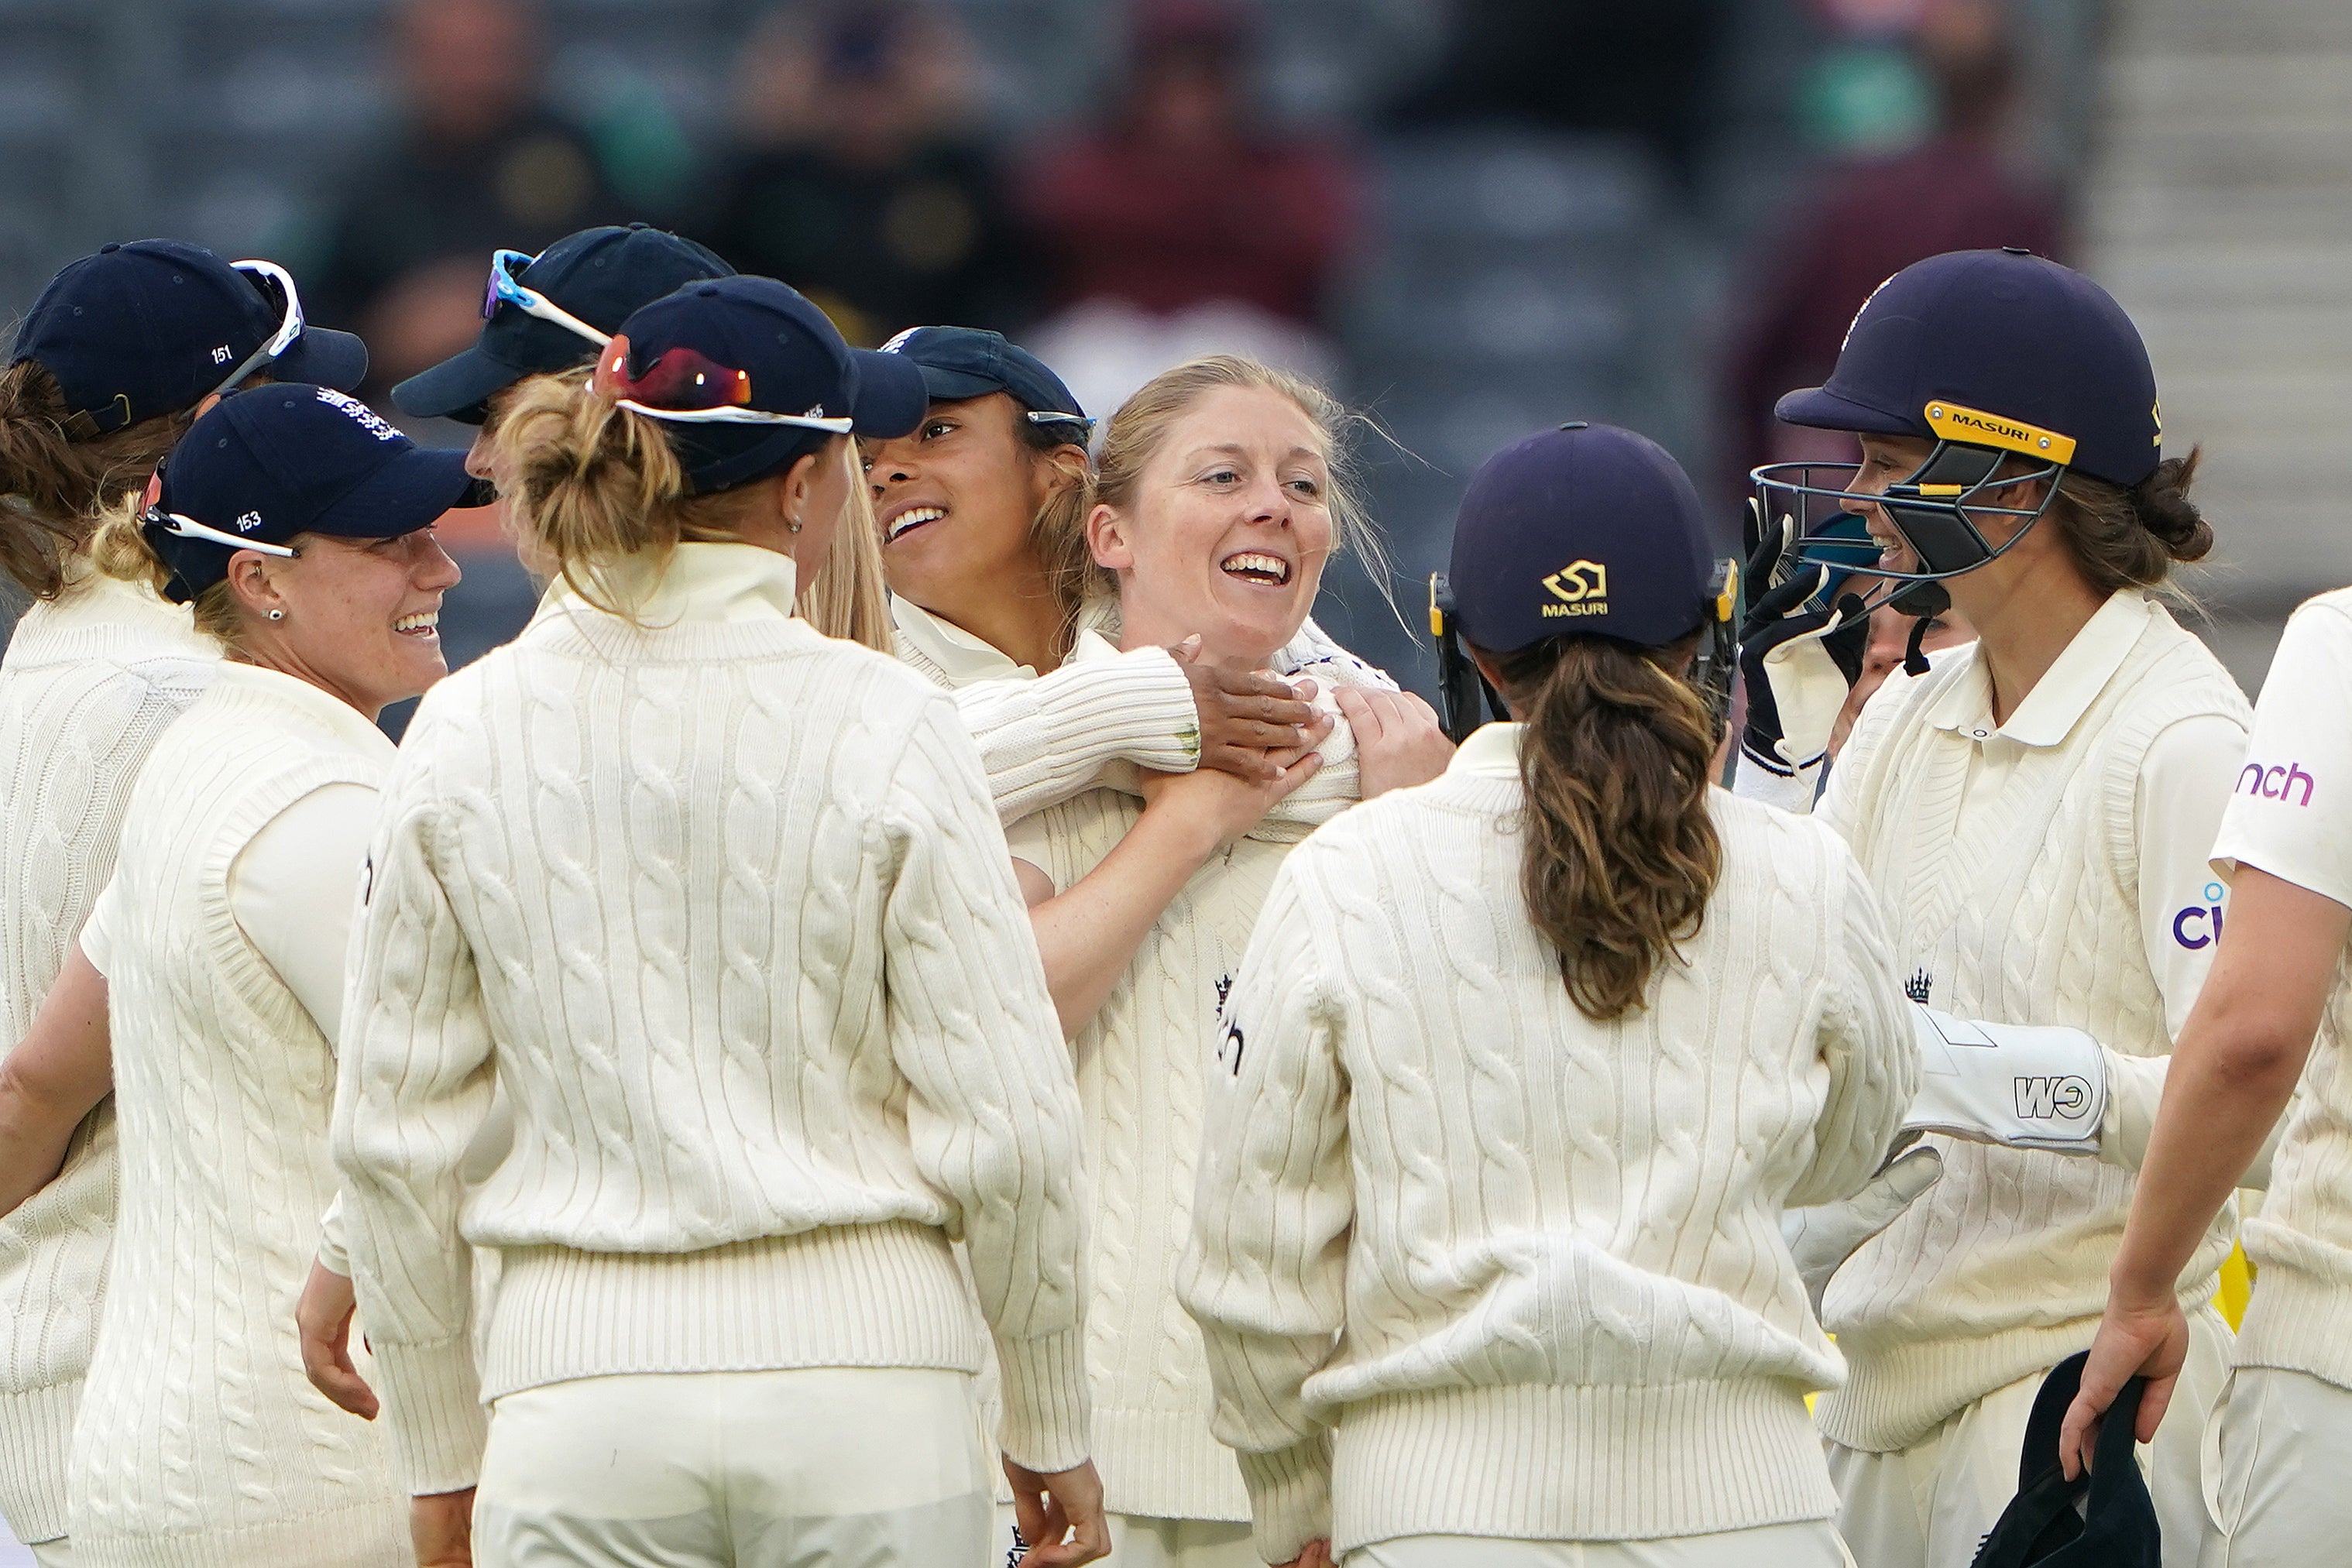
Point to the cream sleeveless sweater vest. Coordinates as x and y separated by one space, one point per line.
1141 1066
2000 1270
89 682
200 1442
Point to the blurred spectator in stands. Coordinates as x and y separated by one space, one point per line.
481 162
1578 65
1872 216
857 179
1183 225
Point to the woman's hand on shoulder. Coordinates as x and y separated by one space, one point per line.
1245 714
1222 805
1399 742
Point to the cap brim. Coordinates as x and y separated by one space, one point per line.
891 394
325 357
1818 408
456 388
406 495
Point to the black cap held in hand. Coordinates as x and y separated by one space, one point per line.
138 330
2103 1519
1587 530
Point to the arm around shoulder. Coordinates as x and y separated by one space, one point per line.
1866 1040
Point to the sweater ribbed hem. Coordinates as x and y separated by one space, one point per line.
365 1535
2297 1323
1290 1496
1896 1393
1542 1463
36 1432
1042 1390
1163 1464
432 1413
852 1295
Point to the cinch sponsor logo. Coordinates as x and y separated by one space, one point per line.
2053 1099
2200 925
2276 782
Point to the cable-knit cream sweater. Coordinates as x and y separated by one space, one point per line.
1469 1263
722 906
200 1443
2031 912
90 680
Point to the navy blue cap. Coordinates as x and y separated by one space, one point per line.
135 332
1587 530
2104 1518
271 462
797 363
966 361
2038 347
599 275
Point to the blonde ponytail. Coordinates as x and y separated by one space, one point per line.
119 547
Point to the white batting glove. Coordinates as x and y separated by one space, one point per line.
2021 1086
1822 1238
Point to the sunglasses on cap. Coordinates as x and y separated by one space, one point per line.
687 386
268 277
187 528
503 289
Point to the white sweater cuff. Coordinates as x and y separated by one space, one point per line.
1136 708
432 1406
334 1250
1290 1496
1043 1387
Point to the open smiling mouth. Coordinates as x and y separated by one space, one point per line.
914 518
1256 565
425 626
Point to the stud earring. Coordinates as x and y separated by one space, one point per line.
791 524
277 615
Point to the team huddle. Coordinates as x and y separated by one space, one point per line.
923 1012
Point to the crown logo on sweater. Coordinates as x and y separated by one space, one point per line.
1918 986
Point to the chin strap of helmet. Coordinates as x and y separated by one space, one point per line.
1923 601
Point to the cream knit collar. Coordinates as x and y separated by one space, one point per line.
2066 691
93 605
1491 752
706 582
275 688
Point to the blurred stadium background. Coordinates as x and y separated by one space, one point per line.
1477 217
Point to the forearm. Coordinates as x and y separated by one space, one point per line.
1044 740
56 1076
1088 936
2220 1108
2134 1095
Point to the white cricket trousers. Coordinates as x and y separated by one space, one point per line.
1811 1543
1929 1505
875 1465
1137 1540
2275 1470
58 1553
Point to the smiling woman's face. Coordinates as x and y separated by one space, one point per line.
955 500
1229 530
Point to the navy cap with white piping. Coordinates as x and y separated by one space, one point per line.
273 462
135 332
793 379
597 277
961 362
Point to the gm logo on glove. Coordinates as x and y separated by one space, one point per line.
2053 1099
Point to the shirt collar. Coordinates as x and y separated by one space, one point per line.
1492 751
2066 691
346 723
700 581
962 656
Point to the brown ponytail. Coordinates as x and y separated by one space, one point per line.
58 473
2130 539
1621 853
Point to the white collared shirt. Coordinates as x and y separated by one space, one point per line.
706 582
2184 782
962 656
1492 751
